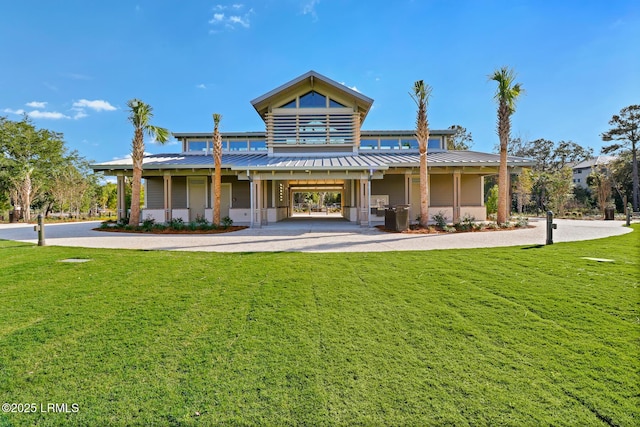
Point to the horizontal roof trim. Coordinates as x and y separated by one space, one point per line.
363 133
362 161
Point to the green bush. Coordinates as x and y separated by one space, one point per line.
176 224
148 223
492 200
440 220
227 222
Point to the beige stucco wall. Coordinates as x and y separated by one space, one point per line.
470 188
441 189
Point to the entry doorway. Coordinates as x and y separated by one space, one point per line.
317 203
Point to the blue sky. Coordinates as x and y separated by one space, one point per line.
72 65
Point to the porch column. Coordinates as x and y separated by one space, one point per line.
256 202
456 196
167 198
121 199
365 212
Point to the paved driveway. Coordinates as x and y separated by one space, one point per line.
310 236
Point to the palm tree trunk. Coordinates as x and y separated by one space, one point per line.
136 155
424 190
503 191
217 183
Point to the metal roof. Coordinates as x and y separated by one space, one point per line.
362 161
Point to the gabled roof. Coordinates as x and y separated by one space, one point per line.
594 161
262 103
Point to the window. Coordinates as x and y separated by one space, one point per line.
409 144
335 104
313 100
435 143
290 104
389 144
257 146
237 145
368 144
197 146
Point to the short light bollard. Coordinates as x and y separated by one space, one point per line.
550 227
629 208
40 229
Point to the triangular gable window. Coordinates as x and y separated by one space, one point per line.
313 100
335 104
290 104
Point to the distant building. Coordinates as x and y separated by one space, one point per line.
582 170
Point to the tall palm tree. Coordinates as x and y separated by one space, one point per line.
506 94
139 115
217 163
420 95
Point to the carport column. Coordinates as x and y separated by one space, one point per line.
121 198
456 196
167 197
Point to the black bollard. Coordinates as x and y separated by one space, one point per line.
550 227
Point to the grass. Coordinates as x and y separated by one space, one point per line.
504 336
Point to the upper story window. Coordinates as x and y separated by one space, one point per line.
435 143
313 99
197 146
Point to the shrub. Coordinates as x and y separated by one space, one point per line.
466 224
227 222
521 222
177 224
440 220
148 223
200 220
159 227
492 200
192 226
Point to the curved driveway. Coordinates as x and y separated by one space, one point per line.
310 236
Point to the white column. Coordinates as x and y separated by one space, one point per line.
167 198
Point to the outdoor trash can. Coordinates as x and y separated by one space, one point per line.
12 216
609 214
390 219
402 217
397 218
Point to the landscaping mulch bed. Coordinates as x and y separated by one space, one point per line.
435 230
221 230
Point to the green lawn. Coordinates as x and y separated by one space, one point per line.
506 336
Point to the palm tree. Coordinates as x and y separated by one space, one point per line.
506 95
217 162
420 95
139 115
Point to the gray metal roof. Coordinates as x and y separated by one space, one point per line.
362 161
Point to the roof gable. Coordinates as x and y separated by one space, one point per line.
311 81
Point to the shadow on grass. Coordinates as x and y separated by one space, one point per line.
534 247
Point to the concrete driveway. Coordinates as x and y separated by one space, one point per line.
317 235
310 235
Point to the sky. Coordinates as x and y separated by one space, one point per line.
72 65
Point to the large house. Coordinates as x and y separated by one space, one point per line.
313 141
582 170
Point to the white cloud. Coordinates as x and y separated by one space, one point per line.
36 104
80 114
201 86
309 8
53 115
222 21
239 20
18 112
217 17
350 87
97 105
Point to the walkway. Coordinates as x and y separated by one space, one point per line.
318 235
